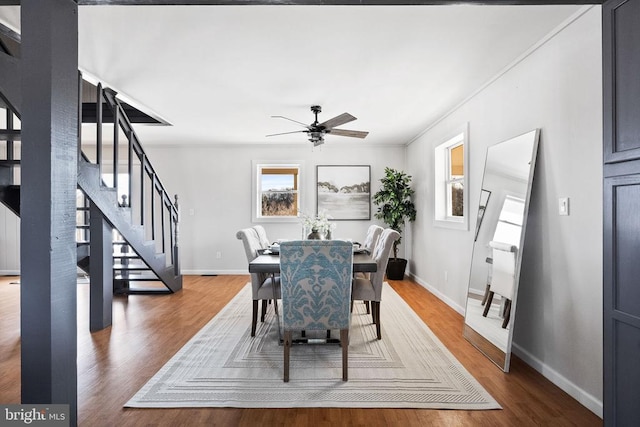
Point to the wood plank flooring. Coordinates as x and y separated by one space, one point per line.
147 330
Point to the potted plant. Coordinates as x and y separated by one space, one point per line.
395 207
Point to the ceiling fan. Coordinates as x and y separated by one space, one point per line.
317 131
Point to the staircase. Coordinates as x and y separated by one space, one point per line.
125 189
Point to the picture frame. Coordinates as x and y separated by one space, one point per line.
343 192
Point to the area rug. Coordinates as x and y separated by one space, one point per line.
223 366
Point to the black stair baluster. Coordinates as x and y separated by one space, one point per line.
143 166
79 114
99 97
153 206
116 135
163 224
10 140
130 165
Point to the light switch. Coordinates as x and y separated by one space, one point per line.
563 206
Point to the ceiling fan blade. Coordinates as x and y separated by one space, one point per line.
338 120
291 120
351 133
287 133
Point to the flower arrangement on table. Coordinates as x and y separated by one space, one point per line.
318 224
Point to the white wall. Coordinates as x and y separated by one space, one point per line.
214 183
557 88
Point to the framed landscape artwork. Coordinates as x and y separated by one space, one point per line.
344 192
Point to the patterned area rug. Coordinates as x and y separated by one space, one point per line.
222 366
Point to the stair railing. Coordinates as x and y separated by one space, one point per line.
9 174
146 196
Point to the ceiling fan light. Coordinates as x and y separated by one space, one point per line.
316 138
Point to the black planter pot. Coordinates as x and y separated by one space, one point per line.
395 268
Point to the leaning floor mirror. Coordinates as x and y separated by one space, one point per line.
497 249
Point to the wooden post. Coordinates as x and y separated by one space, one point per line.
100 271
48 289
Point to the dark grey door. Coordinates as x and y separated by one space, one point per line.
621 293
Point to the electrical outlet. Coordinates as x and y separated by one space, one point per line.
563 206
218 255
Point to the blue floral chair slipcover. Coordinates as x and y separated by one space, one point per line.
315 278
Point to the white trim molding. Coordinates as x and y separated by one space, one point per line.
585 399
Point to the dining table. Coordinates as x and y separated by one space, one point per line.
269 262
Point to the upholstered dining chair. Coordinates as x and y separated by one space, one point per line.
370 240
315 278
371 289
262 236
502 277
261 284
369 243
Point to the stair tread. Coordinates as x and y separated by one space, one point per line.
14 134
143 290
137 277
13 162
130 267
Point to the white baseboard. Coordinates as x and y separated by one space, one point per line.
9 272
451 303
213 272
585 399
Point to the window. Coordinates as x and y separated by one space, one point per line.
455 181
451 195
509 226
277 194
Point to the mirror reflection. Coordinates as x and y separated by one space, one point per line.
498 239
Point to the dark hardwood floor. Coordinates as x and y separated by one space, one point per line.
147 330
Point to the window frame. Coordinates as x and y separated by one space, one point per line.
451 180
504 222
256 205
443 180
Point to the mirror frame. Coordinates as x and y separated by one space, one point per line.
500 358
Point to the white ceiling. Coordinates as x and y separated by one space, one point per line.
217 73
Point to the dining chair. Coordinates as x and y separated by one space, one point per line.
315 278
262 236
502 277
370 289
369 243
261 284
264 244
370 240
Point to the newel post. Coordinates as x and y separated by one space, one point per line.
176 221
